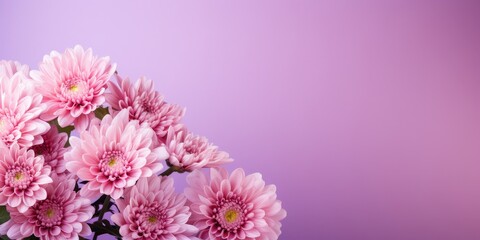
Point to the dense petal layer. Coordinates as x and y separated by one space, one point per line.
20 107
189 152
144 104
152 210
72 85
61 215
113 155
23 177
233 206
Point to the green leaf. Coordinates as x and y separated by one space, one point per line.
68 129
4 215
101 112
32 237
99 228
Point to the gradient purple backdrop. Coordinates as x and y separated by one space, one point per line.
365 114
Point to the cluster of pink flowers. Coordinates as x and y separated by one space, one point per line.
78 141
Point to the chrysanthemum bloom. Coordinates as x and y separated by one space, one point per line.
22 177
113 155
145 104
62 215
189 152
52 149
152 210
20 108
72 85
9 68
235 206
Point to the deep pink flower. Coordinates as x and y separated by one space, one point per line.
20 108
113 155
52 149
144 104
189 152
22 177
235 206
62 215
152 210
72 85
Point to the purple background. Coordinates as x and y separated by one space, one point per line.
365 114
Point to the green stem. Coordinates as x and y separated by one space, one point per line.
114 230
169 171
101 112
172 169
105 208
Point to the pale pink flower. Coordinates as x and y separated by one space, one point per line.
9 68
22 177
144 104
235 206
152 210
72 85
20 108
189 152
113 155
62 215
52 149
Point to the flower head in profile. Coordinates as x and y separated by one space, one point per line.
235 206
72 85
23 177
9 68
189 152
52 149
152 210
62 215
113 155
20 107
145 104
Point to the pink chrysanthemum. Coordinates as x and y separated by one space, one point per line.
235 206
9 68
114 155
62 215
145 104
72 85
22 177
52 149
189 152
20 108
152 210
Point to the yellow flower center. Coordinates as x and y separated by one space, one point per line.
112 162
18 176
50 212
231 216
152 219
73 88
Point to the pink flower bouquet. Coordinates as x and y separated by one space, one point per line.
83 156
